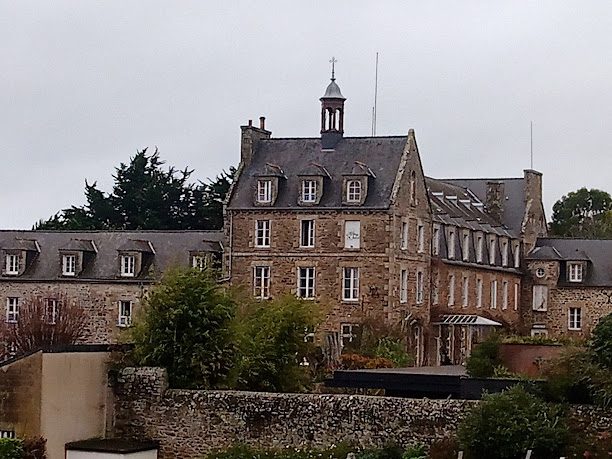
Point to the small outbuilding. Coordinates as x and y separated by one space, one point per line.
112 448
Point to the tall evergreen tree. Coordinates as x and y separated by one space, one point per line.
583 213
145 196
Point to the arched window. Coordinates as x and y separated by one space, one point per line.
353 191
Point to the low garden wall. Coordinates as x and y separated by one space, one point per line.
190 423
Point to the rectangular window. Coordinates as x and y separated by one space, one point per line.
128 265
574 319
404 286
12 264
261 282
306 283
125 313
539 332
540 298
51 310
435 240
419 287
494 294
404 236
505 295
350 284
353 191
307 233
451 289
262 233
264 191
69 265
575 272
479 247
451 243
504 252
421 238
435 287
199 262
517 254
347 333
479 293
465 246
12 310
516 296
465 291
309 191
492 250
352 234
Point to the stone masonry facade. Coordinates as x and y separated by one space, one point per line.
189 424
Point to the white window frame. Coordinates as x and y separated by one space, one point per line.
493 304
517 254
12 310
535 332
479 291
69 264
51 310
307 233
451 289
452 240
350 241
435 240
353 191
465 292
543 305
403 286
420 286
264 191
306 276
199 262
420 237
350 284
575 272
516 296
262 233
492 250
309 191
465 245
504 294
128 265
347 332
479 247
261 282
124 318
404 236
504 252
435 287
12 264
574 318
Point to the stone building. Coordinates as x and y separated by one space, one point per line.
353 223
569 286
107 273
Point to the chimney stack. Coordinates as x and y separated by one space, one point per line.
249 138
262 122
495 200
250 123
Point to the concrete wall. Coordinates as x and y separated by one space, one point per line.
73 398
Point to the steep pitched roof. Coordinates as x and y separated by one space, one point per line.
598 252
514 189
171 248
381 155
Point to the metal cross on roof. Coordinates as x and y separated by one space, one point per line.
333 61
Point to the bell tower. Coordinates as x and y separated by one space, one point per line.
332 113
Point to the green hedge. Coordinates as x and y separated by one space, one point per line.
11 448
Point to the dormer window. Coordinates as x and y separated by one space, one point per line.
12 264
504 252
575 272
128 265
69 265
353 191
264 191
492 250
199 262
309 191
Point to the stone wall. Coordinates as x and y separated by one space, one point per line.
190 423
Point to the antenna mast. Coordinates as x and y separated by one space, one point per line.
531 142
375 99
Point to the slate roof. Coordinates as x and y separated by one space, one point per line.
171 248
514 189
295 155
598 253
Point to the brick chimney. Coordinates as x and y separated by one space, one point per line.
495 200
249 138
534 219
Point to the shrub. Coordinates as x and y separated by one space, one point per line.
446 448
35 448
11 448
393 349
510 423
358 362
484 358
601 342
185 327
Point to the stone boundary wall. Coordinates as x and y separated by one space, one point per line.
190 423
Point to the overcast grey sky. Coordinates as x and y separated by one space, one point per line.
84 84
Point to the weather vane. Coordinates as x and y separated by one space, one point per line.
333 61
